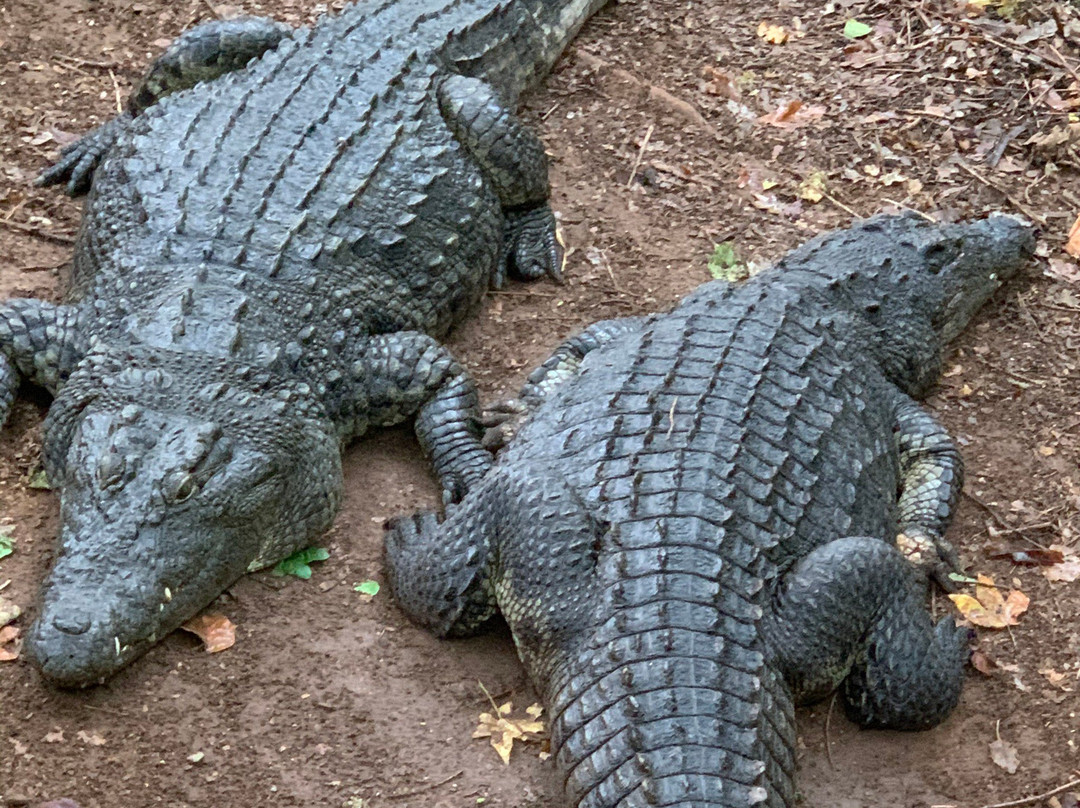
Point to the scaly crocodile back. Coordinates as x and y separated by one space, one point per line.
321 182
758 440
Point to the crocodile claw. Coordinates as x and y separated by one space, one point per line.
80 159
533 245
501 421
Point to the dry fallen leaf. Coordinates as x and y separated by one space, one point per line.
215 630
812 189
503 730
91 738
722 84
1072 246
988 608
57 736
1033 557
1067 569
982 663
773 34
1063 269
1056 679
9 643
1004 755
791 114
8 611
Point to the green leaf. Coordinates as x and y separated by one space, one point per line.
724 264
297 563
7 544
853 29
39 480
367 588
961 579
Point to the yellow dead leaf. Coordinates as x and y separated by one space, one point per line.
988 608
812 188
215 630
9 643
8 611
502 730
1072 246
773 34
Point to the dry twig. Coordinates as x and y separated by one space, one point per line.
41 234
1016 203
1036 798
640 155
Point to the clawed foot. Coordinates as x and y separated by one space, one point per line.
501 422
80 159
932 554
532 246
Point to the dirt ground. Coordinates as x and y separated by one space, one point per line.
655 123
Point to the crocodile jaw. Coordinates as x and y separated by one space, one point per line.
107 601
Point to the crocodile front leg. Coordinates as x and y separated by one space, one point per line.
931 478
40 342
505 417
204 53
852 613
409 373
513 159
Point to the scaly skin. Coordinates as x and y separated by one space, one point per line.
694 530
264 264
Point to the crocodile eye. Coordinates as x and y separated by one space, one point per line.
185 489
179 488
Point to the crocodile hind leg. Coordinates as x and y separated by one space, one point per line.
205 52
513 160
39 342
852 614
450 577
931 478
409 373
505 417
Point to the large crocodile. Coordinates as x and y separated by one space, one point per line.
278 226
693 531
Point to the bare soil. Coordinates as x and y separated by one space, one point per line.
658 154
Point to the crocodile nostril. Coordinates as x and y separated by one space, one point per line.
71 625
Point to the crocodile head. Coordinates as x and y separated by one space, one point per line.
163 507
991 251
914 283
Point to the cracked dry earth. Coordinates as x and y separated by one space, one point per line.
652 119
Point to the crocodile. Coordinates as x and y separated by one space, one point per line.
693 531
279 227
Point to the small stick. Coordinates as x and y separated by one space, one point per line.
33 231
828 723
63 57
1065 64
1037 798
840 205
999 150
1020 206
213 10
429 787
640 155
116 92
